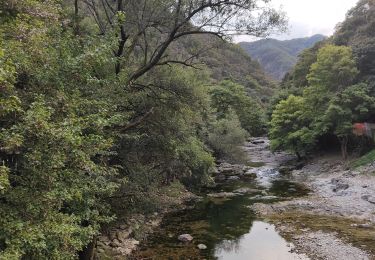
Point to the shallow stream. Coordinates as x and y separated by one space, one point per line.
228 226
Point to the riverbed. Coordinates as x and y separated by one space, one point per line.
223 219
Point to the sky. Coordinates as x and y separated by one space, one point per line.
309 17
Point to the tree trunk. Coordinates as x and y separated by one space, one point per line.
298 156
76 18
88 253
344 147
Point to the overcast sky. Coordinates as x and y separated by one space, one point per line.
309 17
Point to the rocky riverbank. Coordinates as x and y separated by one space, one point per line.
123 237
120 240
336 220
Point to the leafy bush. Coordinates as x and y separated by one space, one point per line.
227 136
231 96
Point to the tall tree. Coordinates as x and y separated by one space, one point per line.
147 28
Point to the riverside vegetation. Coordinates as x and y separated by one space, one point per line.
109 109
104 103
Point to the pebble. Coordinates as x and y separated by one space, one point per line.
202 246
185 238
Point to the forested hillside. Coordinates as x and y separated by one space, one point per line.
278 57
105 103
331 88
229 61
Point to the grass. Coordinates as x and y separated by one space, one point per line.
365 159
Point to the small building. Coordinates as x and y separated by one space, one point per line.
364 129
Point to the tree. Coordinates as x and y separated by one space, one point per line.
231 96
147 28
95 104
335 68
329 105
351 105
333 72
357 32
226 137
288 126
54 141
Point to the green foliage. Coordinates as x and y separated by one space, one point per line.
227 61
93 126
54 144
364 160
227 136
329 105
357 32
334 69
329 76
231 96
288 129
352 105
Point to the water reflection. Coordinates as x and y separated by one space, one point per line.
262 242
227 227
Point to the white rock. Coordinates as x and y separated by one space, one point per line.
202 246
185 237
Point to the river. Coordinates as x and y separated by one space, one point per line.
228 226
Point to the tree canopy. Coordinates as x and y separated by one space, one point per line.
99 109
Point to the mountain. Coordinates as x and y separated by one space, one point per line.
278 57
224 60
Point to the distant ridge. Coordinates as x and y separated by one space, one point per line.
278 57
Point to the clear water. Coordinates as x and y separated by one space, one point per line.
228 227
262 242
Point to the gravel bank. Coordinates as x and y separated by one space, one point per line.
336 220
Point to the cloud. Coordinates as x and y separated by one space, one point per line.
309 17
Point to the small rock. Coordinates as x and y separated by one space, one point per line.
257 142
269 197
202 246
250 174
369 198
367 225
222 195
245 190
123 227
185 238
220 177
233 178
124 234
339 185
115 243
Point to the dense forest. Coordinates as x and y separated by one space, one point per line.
330 88
279 57
102 103
107 106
